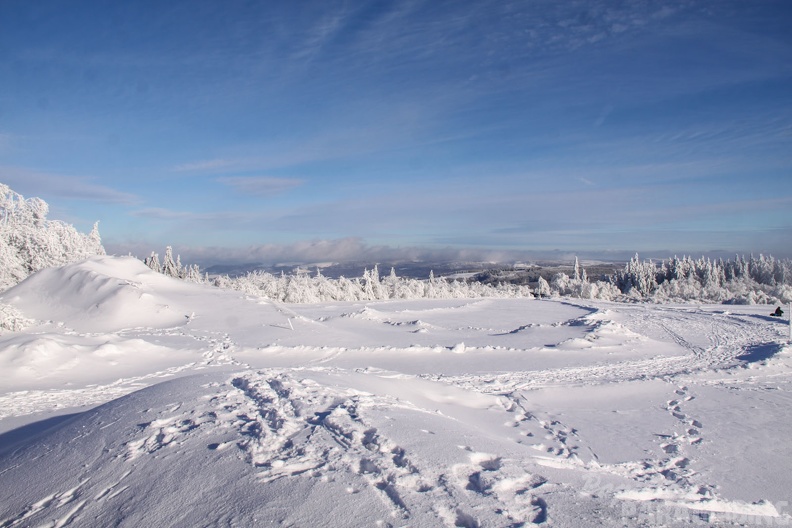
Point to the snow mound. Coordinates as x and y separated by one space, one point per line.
101 294
604 334
46 359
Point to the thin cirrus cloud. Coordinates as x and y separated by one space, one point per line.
262 186
504 124
160 213
206 165
208 221
52 185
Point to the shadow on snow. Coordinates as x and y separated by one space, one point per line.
759 352
15 438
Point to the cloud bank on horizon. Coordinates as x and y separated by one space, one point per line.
486 128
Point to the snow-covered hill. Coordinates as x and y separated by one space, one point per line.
135 399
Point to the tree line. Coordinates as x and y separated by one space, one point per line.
30 242
744 280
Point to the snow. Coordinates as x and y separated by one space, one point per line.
135 399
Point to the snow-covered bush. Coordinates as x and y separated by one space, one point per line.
12 319
29 242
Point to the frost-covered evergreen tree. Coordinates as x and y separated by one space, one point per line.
637 278
174 268
30 242
754 280
543 288
301 288
391 284
192 273
169 266
153 262
743 280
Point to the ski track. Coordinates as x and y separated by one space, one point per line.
728 337
671 478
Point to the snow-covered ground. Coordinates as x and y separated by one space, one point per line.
139 400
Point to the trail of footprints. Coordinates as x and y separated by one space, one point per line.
547 435
677 467
165 432
289 427
296 428
674 469
513 488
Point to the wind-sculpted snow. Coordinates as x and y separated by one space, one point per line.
100 294
227 410
293 433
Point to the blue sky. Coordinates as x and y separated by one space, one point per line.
332 130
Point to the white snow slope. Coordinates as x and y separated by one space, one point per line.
140 400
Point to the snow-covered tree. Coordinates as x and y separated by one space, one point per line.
742 280
153 262
174 268
192 273
752 280
30 242
169 266
637 278
543 289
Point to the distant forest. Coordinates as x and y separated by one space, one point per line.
751 280
30 242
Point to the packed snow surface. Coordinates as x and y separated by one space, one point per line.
134 399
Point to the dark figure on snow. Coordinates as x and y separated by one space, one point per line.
778 312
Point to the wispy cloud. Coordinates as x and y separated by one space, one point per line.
263 186
341 142
160 213
58 186
209 222
717 210
323 31
206 165
500 123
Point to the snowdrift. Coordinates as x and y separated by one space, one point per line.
102 294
